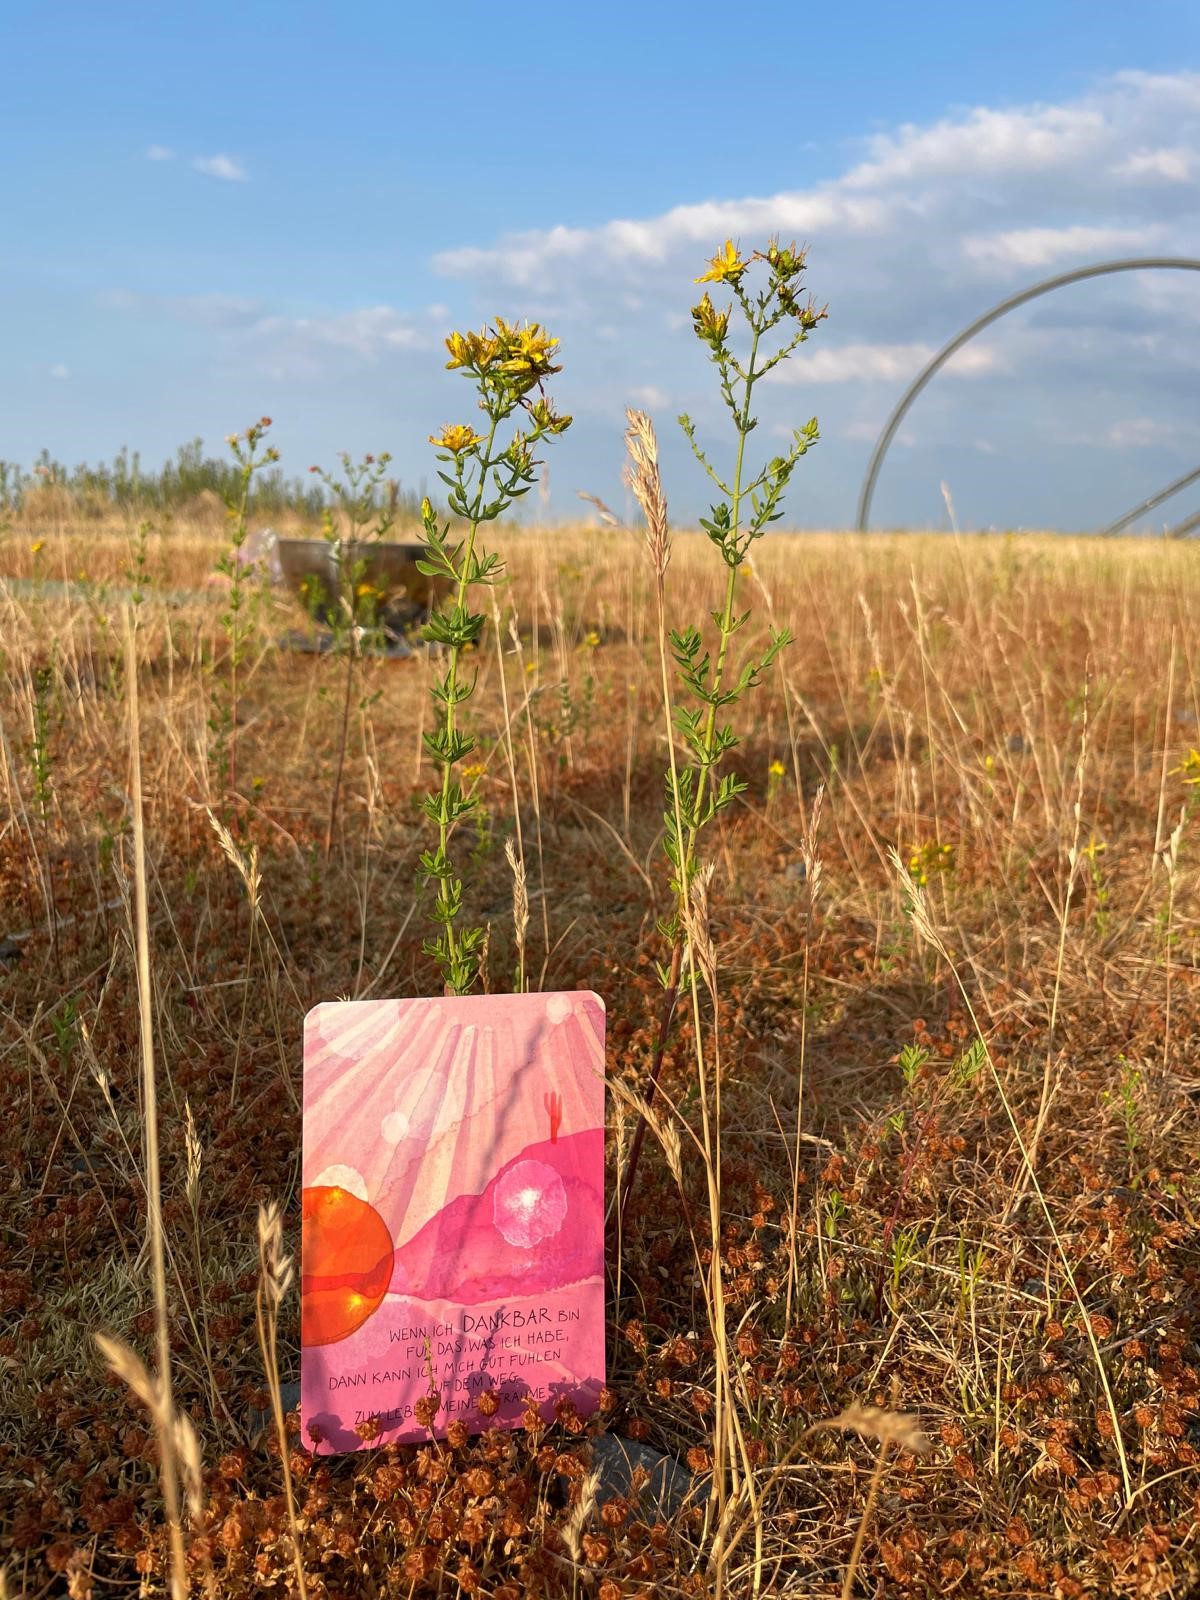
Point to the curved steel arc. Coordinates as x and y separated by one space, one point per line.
1149 504
1078 275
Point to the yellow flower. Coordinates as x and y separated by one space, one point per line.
476 350
710 324
526 352
456 437
1189 768
37 546
927 859
460 351
777 769
726 266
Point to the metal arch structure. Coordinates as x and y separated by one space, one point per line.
1183 529
1149 504
1099 269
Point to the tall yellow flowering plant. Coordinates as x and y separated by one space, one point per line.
484 478
774 321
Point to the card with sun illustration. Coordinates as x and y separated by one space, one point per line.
453 1214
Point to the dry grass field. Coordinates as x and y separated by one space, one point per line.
951 1233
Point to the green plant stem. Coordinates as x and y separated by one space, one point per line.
235 606
452 672
343 736
726 625
688 843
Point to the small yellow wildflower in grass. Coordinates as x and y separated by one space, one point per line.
457 437
777 769
1189 768
927 860
591 639
37 546
726 266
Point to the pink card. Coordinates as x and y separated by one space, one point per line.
453 1211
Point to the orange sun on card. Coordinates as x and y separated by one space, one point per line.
347 1264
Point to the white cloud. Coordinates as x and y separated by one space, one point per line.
59 371
369 332
1040 247
873 363
216 311
225 167
916 187
159 152
1149 433
982 142
924 229
284 344
1171 165
534 258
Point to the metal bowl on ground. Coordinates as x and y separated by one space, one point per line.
320 572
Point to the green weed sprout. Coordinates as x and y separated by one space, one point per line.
483 481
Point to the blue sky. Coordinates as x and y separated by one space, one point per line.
215 212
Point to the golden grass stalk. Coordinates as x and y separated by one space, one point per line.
888 1428
275 1275
155 1393
696 954
811 859
917 908
520 908
581 1511
607 514
875 1422
644 479
511 763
